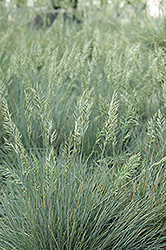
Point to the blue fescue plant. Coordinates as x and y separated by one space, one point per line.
83 127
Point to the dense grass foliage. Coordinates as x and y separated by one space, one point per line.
83 131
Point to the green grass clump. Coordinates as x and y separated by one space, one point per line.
83 134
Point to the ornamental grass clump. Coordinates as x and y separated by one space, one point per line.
83 127
150 31
52 202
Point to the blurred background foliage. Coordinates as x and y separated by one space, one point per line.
71 2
